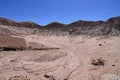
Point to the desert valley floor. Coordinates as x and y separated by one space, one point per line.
63 58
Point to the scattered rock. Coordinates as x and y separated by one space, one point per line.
98 62
113 65
50 77
100 44
12 60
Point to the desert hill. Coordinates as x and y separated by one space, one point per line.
98 28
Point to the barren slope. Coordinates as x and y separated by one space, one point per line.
79 58
110 27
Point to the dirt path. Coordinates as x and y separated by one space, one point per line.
72 61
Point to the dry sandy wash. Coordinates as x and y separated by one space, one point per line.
64 58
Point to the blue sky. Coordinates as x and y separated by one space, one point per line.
64 11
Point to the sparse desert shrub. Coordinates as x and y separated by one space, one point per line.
20 77
98 62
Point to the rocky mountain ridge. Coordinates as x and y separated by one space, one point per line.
99 28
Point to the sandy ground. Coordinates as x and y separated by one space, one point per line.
78 58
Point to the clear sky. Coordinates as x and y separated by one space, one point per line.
64 11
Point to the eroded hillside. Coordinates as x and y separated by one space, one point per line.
99 28
82 50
